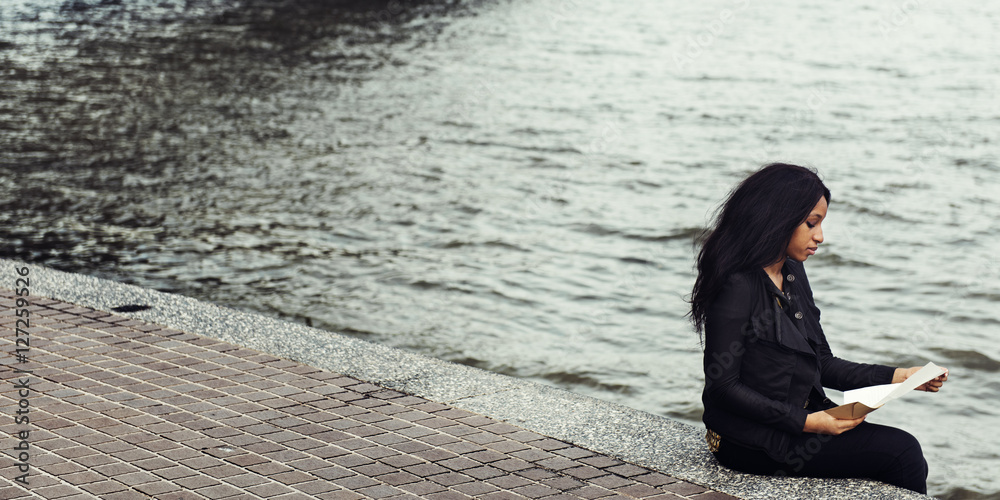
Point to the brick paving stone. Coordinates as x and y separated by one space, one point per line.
459 463
448 495
450 478
475 488
600 461
564 483
486 456
126 409
83 477
574 453
534 455
400 461
628 470
308 464
246 480
158 488
423 488
62 468
484 472
459 430
511 464
484 438
292 477
54 491
380 491
424 470
684 488
351 460
713 495
536 473
424 451
558 463
331 473
549 444
375 469
591 492
328 451
654 479
196 482
510 482
524 436
355 482
221 471
536 491
503 495
377 452
639 491
172 473
415 431
315 487
507 446
115 469
610 481
219 491
398 478
135 478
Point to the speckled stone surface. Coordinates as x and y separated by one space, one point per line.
630 435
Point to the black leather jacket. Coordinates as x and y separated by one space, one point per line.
767 361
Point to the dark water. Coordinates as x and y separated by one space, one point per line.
516 185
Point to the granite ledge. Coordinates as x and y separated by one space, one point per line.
631 435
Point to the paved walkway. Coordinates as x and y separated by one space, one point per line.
122 409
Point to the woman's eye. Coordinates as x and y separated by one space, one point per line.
810 225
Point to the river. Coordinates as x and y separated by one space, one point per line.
517 184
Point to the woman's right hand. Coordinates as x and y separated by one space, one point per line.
821 422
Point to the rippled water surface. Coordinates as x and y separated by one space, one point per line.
517 184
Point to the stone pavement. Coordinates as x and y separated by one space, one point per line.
122 409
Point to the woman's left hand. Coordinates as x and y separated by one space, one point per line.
933 385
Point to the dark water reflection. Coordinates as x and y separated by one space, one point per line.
515 185
117 115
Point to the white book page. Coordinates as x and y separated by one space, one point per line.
878 395
929 372
870 396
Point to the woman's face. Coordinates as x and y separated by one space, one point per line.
807 237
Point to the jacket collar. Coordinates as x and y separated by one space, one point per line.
791 333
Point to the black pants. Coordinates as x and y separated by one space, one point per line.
869 451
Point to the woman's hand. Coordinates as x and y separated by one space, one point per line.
934 385
821 422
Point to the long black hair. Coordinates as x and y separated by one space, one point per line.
753 228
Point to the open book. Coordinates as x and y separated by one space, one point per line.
860 402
